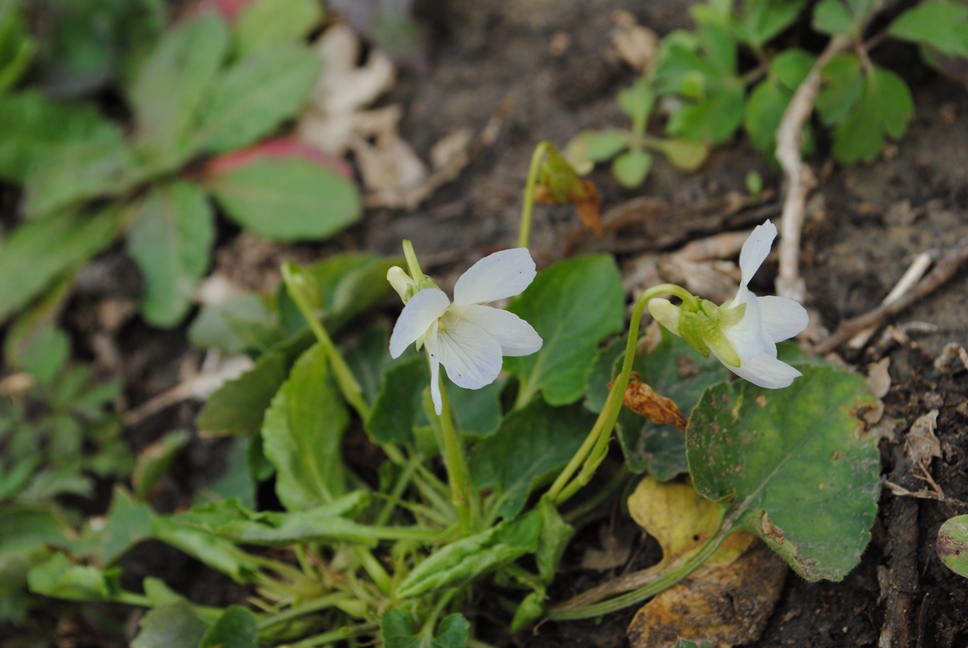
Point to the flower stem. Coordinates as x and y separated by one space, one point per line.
671 578
593 450
461 492
528 206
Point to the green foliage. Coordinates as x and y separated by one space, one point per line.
192 95
59 433
395 631
942 26
468 558
17 47
795 467
303 445
532 444
557 306
709 93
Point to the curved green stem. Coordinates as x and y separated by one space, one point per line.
675 576
461 492
593 449
524 235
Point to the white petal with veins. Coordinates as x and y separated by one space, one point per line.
756 249
417 316
497 276
516 337
471 356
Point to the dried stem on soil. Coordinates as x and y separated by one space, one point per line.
799 177
943 271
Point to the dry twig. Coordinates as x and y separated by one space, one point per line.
943 271
799 177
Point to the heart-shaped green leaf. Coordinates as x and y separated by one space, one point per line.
573 305
796 465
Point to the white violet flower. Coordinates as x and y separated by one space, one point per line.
465 336
743 332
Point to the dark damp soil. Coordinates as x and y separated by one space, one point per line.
866 224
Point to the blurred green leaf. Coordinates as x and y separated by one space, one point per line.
230 520
127 523
469 558
604 145
173 82
46 354
154 461
842 88
286 199
265 23
239 405
532 444
395 631
26 536
17 48
241 323
33 128
841 17
254 96
397 404
236 628
941 25
81 172
558 304
37 252
631 168
711 121
58 577
884 110
683 154
795 466
769 99
637 101
763 20
301 434
171 239
171 625
219 554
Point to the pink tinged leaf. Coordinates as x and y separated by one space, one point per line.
516 337
417 317
278 148
471 356
782 318
228 9
755 250
497 276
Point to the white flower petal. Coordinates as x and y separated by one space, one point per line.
756 249
417 316
516 337
766 371
747 335
782 318
432 351
471 356
497 276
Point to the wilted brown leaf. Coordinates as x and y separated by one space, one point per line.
643 400
725 604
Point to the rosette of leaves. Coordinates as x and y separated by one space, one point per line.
631 150
207 91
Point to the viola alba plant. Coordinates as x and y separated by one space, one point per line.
743 332
467 337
